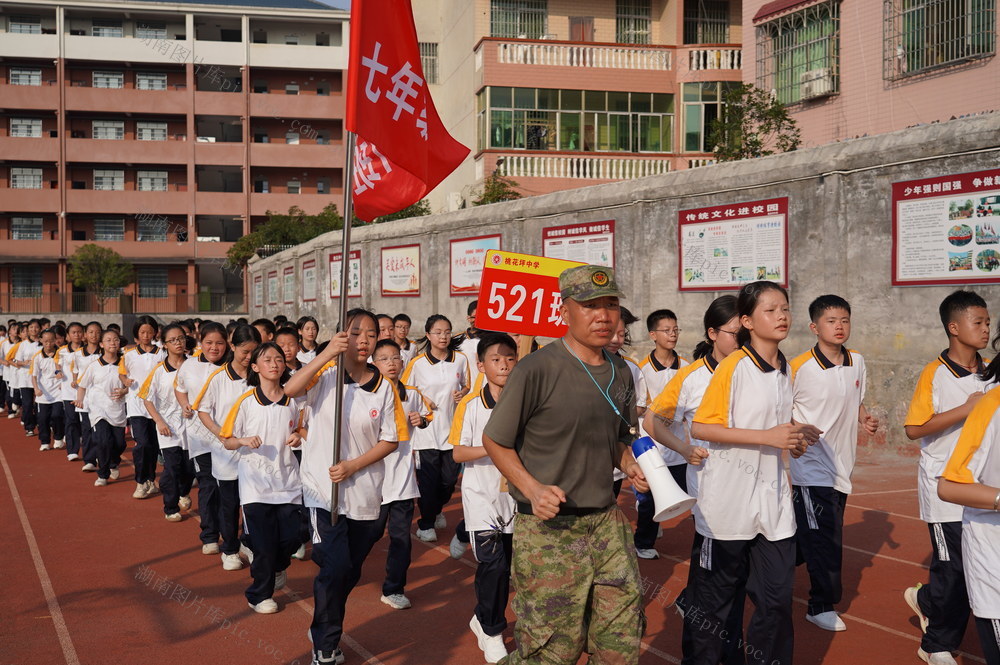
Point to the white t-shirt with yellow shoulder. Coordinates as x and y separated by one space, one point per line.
80 362
656 376
400 482
268 474
484 505
217 397
43 370
64 359
158 388
24 351
98 381
189 379
942 386
437 380
976 459
370 416
743 490
137 364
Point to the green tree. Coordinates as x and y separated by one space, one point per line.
752 124
101 271
291 228
496 189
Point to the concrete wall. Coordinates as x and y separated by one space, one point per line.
839 242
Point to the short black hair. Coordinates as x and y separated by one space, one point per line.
823 303
379 317
956 303
382 343
472 307
267 325
492 339
287 330
655 317
402 317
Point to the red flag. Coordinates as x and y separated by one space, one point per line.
403 150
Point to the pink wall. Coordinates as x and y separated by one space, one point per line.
867 104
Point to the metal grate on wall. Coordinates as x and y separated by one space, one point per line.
633 21
429 61
798 54
924 35
706 21
525 19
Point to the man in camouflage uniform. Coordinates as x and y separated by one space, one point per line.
562 425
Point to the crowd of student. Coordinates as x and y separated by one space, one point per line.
247 412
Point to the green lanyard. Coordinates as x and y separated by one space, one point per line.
606 392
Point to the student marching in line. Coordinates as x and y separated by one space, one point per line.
137 363
287 339
261 428
401 335
828 391
67 388
20 355
223 387
100 385
266 329
946 393
971 478
12 401
744 520
308 331
368 434
468 342
3 363
442 375
399 488
83 358
161 403
668 421
385 326
46 378
191 378
488 509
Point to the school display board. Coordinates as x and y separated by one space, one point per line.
272 287
467 256
309 280
519 294
726 246
353 274
592 243
288 284
258 291
401 270
946 230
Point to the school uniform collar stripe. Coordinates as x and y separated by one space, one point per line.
372 384
42 351
168 367
231 373
264 401
486 396
434 361
958 370
762 364
711 363
825 363
676 365
202 358
105 362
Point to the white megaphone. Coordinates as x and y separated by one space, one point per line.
668 498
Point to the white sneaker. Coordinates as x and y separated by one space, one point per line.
280 579
184 503
232 562
647 553
300 553
827 621
30 432
140 491
266 606
174 517
12 415
72 457
335 657
910 596
151 488
59 444
439 521
115 473
100 482
44 446
456 548
427 535
210 548
88 467
397 601
936 658
491 645
247 553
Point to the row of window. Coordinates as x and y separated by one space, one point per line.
26 281
575 120
114 130
105 230
113 180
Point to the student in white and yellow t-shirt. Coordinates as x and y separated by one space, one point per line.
744 516
262 428
101 389
137 363
83 358
368 433
46 380
67 392
971 478
442 375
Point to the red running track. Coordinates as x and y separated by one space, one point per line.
94 576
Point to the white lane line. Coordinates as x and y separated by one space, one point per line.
69 651
886 556
884 512
911 489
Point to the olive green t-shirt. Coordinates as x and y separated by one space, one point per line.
563 429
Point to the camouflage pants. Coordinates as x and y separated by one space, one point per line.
577 589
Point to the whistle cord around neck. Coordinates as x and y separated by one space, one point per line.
605 392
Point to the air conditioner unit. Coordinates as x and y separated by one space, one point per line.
816 83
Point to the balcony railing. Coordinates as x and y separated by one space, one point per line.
715 58
582 168
698 162
560 54
26 302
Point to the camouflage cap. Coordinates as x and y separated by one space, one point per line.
582 283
